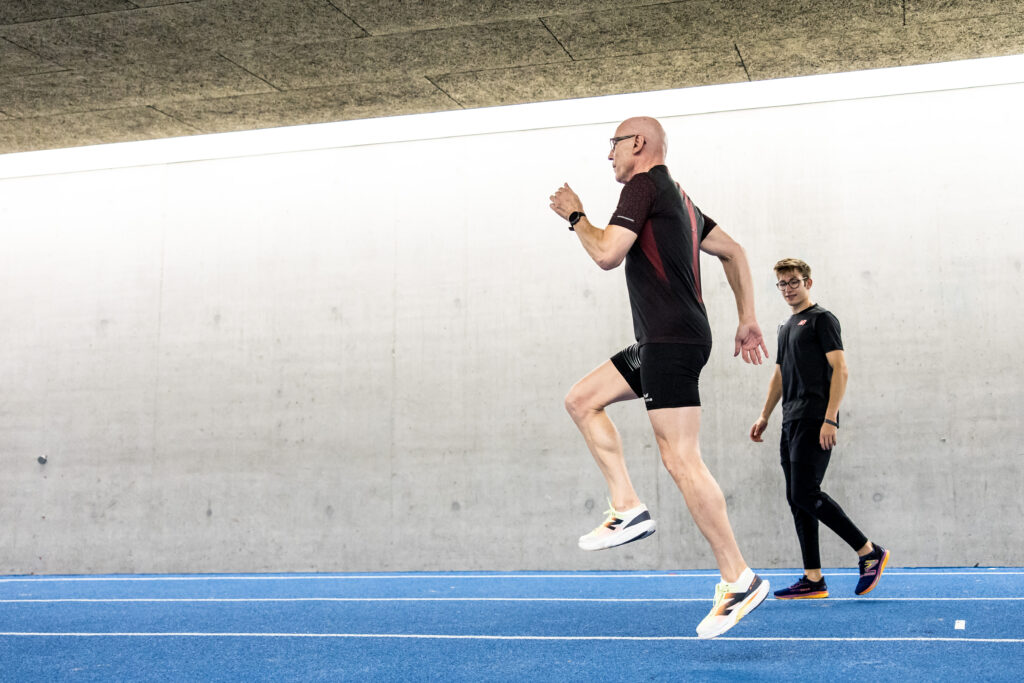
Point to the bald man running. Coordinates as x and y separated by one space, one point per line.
658 230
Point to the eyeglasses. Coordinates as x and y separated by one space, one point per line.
792 284
619 139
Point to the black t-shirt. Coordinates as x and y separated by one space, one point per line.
804 339
663 265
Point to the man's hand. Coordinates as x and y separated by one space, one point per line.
564 201
827 436
750 340
758 429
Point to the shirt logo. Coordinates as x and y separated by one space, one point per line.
802 322
647 398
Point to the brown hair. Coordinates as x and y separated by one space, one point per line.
793 264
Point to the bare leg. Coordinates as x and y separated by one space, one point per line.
677 431
586 403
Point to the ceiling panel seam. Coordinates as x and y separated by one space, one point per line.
230 61
581 62
560 43
61 17
175 118
445 92
33 53
742 62
354 22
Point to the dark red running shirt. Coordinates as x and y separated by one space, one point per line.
663 265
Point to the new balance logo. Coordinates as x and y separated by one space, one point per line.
731 602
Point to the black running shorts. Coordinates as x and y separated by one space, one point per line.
665 375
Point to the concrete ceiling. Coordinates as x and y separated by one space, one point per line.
81 72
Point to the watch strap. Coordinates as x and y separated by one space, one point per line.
574 218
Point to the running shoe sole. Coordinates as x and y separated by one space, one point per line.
745 607
636 532
817 595
878 575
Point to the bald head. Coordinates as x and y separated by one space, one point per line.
645 150
656 142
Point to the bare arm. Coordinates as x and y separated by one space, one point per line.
774 396
840 375
749 339
607 246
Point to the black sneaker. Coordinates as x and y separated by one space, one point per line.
871 567
804 589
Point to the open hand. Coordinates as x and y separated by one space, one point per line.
750 341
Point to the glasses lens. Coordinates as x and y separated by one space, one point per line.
794 283
615 141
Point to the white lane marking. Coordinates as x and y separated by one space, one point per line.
7 601
441 636
349 577
960 625
337 599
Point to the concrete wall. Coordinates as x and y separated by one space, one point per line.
355 358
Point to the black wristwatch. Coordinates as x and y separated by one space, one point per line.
832 422
574 218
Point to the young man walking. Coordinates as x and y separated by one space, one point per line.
659 232
810 378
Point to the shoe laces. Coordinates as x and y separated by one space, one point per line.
611 513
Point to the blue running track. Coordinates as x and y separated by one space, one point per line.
918 625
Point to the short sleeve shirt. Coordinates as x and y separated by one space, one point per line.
663 265
804 339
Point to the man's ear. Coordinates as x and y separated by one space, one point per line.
809 283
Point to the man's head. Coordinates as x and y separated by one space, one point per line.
639 145
793 278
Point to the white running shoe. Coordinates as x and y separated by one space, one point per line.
619 528
730 606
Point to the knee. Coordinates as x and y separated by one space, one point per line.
578 403
673 465
808 501
679 463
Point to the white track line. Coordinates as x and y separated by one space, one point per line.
432 636
350 577
467 599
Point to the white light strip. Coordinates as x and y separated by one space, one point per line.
609 109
